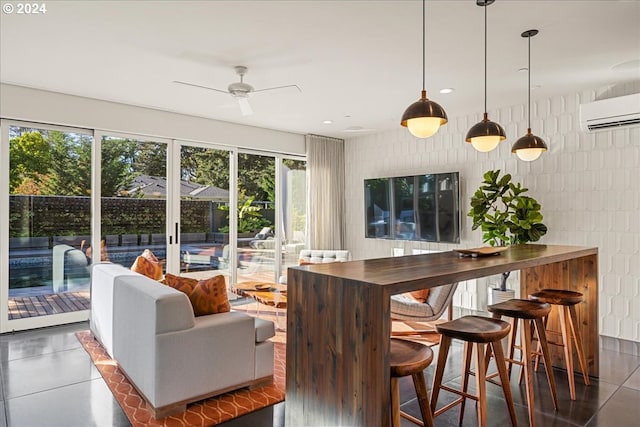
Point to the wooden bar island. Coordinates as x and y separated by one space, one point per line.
338 323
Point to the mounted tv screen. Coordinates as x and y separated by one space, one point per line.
418 207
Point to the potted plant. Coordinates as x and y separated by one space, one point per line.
506 217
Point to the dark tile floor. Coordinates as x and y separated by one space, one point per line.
47 379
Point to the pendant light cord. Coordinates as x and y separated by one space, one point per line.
485 57
529 82
423 44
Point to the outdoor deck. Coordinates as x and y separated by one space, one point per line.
42 302
42 305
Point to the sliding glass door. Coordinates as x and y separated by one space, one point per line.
257 229
204 211
250 234
73 198
47 228
133 203
293 202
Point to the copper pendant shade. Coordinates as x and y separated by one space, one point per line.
529 147
424 117
430 113
485 135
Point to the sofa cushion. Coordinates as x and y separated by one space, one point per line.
148 265
324 256
210 296
265 329
183 284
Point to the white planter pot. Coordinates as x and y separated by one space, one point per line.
495 295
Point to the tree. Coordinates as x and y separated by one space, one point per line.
150 159
30 160
30 186
255 176
117 158
205 166
70 168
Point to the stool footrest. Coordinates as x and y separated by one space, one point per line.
411 418
448 406
459 393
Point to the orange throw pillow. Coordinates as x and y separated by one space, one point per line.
210 297
183 284
420 295
150 255
147 264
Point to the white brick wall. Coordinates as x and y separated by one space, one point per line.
588 185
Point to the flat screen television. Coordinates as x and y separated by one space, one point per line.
418 207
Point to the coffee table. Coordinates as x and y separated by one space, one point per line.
267 293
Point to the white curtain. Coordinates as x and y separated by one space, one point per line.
326 207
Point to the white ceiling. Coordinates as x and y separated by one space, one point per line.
358 63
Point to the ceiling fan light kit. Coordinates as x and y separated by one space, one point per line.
485 135
530 146
424 117
240 89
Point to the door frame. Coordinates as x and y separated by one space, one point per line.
6 324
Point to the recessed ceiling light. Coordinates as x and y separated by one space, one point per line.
447 90
355 129
327 122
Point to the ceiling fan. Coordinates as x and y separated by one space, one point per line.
239 90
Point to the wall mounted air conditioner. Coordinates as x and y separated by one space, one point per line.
610 113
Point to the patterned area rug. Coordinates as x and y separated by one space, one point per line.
209 412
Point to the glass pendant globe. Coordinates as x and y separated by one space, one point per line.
529 154
424 127
485 143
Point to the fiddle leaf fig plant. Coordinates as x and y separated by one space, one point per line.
504 214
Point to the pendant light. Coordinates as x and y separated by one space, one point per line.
485 135
423 117
529 147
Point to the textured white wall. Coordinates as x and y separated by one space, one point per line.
588 185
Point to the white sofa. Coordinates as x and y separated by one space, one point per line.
170 356
318 256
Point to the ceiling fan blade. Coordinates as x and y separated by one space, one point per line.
279 87
199 86
245 107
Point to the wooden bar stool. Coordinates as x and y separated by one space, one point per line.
566 302
528 314
410 358
477 332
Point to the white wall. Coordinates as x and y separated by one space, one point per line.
20 103
588 186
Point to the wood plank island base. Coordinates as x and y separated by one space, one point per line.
338 324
